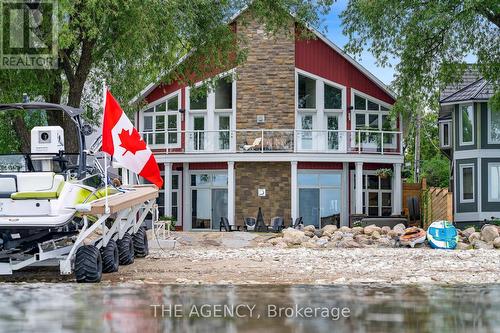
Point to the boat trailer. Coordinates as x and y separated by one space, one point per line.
121 237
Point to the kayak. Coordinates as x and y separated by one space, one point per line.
412 236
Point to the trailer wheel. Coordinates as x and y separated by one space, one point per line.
110 257
140 238
88 264
126 249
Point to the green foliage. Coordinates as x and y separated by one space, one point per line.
436 171
430 38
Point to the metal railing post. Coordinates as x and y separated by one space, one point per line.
359 142
382 143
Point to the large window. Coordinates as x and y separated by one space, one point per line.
197 99
307 93
372 115
161 122
333 98
320 197
494 182
224 95
494 126
466 124
467 185
377 194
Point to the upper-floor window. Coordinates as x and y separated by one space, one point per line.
494 126
198 99
224 95
445 134
333 98
307 92
466 124
373 115
161 122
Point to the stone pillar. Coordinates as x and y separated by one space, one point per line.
294 192
231 193
359 188
186 198
168 188
397 190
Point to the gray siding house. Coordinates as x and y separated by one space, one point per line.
469 131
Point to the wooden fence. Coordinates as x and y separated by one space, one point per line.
435 203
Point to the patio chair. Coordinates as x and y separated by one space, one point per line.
224 224
298 223
277 224
250 223
256 143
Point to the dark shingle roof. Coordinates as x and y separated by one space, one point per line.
479 89
469 76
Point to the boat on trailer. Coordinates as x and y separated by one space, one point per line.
51 202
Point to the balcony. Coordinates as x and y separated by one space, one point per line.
276 141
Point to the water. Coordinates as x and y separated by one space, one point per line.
131 308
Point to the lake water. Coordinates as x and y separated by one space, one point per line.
164 308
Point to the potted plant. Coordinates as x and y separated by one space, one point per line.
170 222
384 173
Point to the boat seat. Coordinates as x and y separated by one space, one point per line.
51 193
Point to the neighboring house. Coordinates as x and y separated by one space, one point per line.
301 132
469 131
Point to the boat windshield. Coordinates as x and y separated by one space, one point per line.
36 162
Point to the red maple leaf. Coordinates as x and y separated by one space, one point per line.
131 142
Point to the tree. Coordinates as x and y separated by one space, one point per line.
433 164
431 38
131 43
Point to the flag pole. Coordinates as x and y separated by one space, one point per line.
106 203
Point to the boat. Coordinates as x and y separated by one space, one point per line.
442 235
412 236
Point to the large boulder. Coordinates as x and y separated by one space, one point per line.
496 243
322 241
394 234
345 229
363 239
294 237
376 235
371 229
475 235
328 230
310 245
357 230
469 231
385 230
479 244
463 246
400 227
489 233
385 242
309 228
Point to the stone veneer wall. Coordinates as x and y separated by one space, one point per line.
272 176
266 81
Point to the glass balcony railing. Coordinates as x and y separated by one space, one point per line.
276 141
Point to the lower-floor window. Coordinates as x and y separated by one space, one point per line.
377 194
494 182
467 183
209 199
320 198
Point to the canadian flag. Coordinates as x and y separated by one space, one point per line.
122 141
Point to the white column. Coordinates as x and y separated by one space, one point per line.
344 213
294 191
397 191
231 193
359 188
186 201
168 188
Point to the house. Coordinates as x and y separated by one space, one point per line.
301 131
469 131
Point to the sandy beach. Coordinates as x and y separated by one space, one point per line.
245 258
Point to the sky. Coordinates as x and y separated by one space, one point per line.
334 28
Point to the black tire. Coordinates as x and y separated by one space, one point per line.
88 264
110 257
141 248
125 249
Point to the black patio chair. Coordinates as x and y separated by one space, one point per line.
224 224
250 223
298 223
277 224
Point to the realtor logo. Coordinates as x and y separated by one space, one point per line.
28 34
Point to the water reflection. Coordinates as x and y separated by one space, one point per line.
128 308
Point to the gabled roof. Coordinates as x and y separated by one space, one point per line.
149 88
479 89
